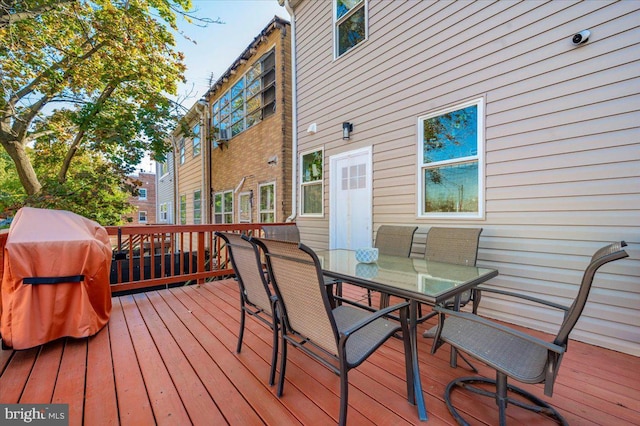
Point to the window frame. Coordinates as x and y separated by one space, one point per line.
338 21
140 192
142 213
182 151
197 207
274 202
224 213
164 168
196 147
183 209
479 158
222 113
303 184
164 209
242 195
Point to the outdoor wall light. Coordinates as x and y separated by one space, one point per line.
347 128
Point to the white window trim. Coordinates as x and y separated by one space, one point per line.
164 209
240 196
335 30
301 184
260 211
183 208
223 213
140 196
197 191
146 216
193 145
480 102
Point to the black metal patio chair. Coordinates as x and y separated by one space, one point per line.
512 353
339 337
452 245
256 297
291 233
392 240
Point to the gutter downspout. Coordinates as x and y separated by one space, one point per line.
294 115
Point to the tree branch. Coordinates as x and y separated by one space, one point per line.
7 17
66 163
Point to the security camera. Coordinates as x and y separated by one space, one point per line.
581 38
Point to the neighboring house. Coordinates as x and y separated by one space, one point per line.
479 114
191 168
249 111
145 201
165 189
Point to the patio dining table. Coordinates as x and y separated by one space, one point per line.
416 280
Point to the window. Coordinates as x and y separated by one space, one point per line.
142 216
244 204
163 212
450 162
351 27
311 183
197 207
183 209
142 194
182 151
196 139
223 207
251 99
267 202
164 168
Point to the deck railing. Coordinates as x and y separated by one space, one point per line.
147 256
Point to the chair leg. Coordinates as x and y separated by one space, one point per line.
274 354
241 333
502 387
283 365
344 397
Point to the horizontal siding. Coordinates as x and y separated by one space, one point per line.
562 136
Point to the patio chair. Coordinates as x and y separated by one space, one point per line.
452 245
515 354
282 232
256 298
292 234
392 240
341 338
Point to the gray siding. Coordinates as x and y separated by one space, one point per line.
562 136
165 190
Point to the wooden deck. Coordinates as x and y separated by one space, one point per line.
167 357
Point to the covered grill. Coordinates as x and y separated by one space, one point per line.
55 280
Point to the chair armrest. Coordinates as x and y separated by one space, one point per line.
522 296
376 315
477 319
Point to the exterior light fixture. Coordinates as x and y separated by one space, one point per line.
347 128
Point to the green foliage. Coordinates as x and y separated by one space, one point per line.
107 65
94 188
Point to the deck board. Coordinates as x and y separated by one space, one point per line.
168 357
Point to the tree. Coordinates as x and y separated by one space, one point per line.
104 67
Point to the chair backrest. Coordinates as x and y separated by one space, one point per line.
297 280
282 233
248 268
453 245
394 240
601 257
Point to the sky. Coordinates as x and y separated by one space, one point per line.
218 45
210 51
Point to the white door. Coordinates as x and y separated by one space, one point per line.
350 199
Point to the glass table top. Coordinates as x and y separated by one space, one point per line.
418 278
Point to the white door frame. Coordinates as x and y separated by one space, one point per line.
334 180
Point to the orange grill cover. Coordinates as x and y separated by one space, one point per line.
54 243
